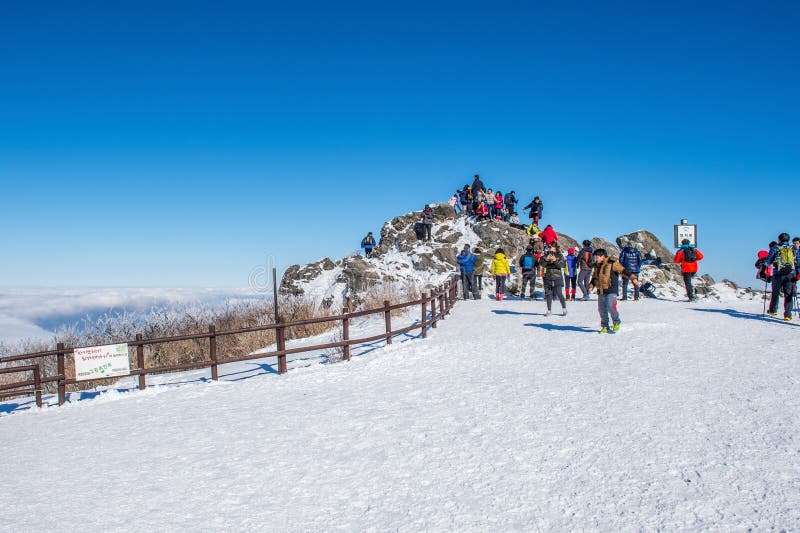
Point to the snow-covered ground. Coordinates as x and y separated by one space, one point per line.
503 419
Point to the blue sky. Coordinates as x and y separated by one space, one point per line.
182 143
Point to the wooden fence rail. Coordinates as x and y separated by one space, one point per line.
434 307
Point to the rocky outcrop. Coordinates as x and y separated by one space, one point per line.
403 260
647 243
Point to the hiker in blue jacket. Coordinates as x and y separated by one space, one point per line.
466 262
368 243
528 264
631 260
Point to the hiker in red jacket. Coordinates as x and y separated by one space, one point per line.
549 235
688 256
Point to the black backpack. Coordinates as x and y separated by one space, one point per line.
689 255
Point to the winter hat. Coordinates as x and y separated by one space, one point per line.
587 242
685 242
571 251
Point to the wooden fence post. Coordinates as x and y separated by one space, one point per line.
424 314
212 351
280 339
62 374
433 310
346 337
37 383
140 362
387 317
441 303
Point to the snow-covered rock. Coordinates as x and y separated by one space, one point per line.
402 259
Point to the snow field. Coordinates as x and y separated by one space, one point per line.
502 419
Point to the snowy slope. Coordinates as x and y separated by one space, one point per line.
502 419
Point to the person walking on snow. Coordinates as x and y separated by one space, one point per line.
605 278
553 278
368 243
571 275
466 262
631 259
586 262
784 274
528 263
688 256
500 270
427 221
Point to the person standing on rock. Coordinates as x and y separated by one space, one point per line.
428 219
465 197
784 273
498 204
368 243
536 207
500 270
466 262
631 259
528 264
586 262
605 278
477 185
511 202
688 256
553 278
490 202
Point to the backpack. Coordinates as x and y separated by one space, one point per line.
689 255
785 259
527 262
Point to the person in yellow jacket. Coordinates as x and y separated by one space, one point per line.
500 270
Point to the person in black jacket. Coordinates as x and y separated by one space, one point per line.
536 207
477 185
553 278
528 264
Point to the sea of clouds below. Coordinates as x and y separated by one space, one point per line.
37 313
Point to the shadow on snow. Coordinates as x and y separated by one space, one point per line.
556 327
733 313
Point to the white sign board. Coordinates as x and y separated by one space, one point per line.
101 362
685 231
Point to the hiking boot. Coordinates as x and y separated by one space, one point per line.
603 330
772 313
564 312
548 313
787 318
615 327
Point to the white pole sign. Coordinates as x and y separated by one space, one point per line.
101 362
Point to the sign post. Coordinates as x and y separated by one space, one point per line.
100 362
684 230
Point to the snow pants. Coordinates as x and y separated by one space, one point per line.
687 280
528 276
584 277
607 305
468 282
427 227
783 285
552 289
500 284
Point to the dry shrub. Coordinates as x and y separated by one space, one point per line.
160 323
394 293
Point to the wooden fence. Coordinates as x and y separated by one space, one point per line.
434 306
